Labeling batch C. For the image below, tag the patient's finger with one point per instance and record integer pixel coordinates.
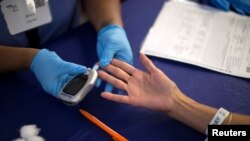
(124, 66)
(112, 80)
(117, 72)
(115, 97)
(148, 64)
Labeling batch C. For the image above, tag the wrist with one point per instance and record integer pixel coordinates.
(109, 23)
(31, 53)
(181, 103)
(110, 28)
(192, 113)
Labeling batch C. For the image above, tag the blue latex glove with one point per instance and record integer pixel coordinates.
(52, 72)
(112, 43)
(241, 6)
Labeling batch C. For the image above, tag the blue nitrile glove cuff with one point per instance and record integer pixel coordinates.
(52, 72)
(113, 43)
(221, 4)
(241, 6)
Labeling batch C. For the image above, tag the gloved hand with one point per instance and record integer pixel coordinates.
(241, 6)
(52, 72)
(112, 43)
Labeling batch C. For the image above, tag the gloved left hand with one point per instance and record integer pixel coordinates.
(52, 72)
(113, 43)
(241, 6)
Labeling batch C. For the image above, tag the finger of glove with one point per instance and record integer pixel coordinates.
(246, 6)
(221, 4)
(71, 68)
(107, 56)
(98, 83)
(62, 80)
(241, 6)
(126, 57)
(247, 11)
(240, 11)
(99, 49)
(121, 92)
(108, 88)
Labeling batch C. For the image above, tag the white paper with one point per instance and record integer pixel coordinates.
(202, 36)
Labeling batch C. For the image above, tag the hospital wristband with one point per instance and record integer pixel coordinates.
(230, 118)
(219, 117)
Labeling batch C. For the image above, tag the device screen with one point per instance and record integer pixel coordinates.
(75, 84)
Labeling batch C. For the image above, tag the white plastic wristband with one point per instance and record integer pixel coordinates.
(219, 117)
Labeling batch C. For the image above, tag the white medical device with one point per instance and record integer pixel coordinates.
(78, 87)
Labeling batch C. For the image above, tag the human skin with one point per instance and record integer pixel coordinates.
(153, 90)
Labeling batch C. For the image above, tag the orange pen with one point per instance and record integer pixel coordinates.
(115, 135)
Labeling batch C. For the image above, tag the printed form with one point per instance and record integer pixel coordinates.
(201, 35)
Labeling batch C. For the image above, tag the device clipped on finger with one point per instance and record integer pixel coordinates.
(78, 87)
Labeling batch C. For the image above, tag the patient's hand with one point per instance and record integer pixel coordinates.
(151, 89)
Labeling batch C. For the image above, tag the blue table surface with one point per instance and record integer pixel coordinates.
(22, 100)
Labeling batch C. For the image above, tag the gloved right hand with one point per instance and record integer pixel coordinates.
(241, 6)
(52, 72)
(112, 43)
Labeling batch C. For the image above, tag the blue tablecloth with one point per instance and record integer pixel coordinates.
(22, 100)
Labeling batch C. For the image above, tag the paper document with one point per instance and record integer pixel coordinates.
(201, 35)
